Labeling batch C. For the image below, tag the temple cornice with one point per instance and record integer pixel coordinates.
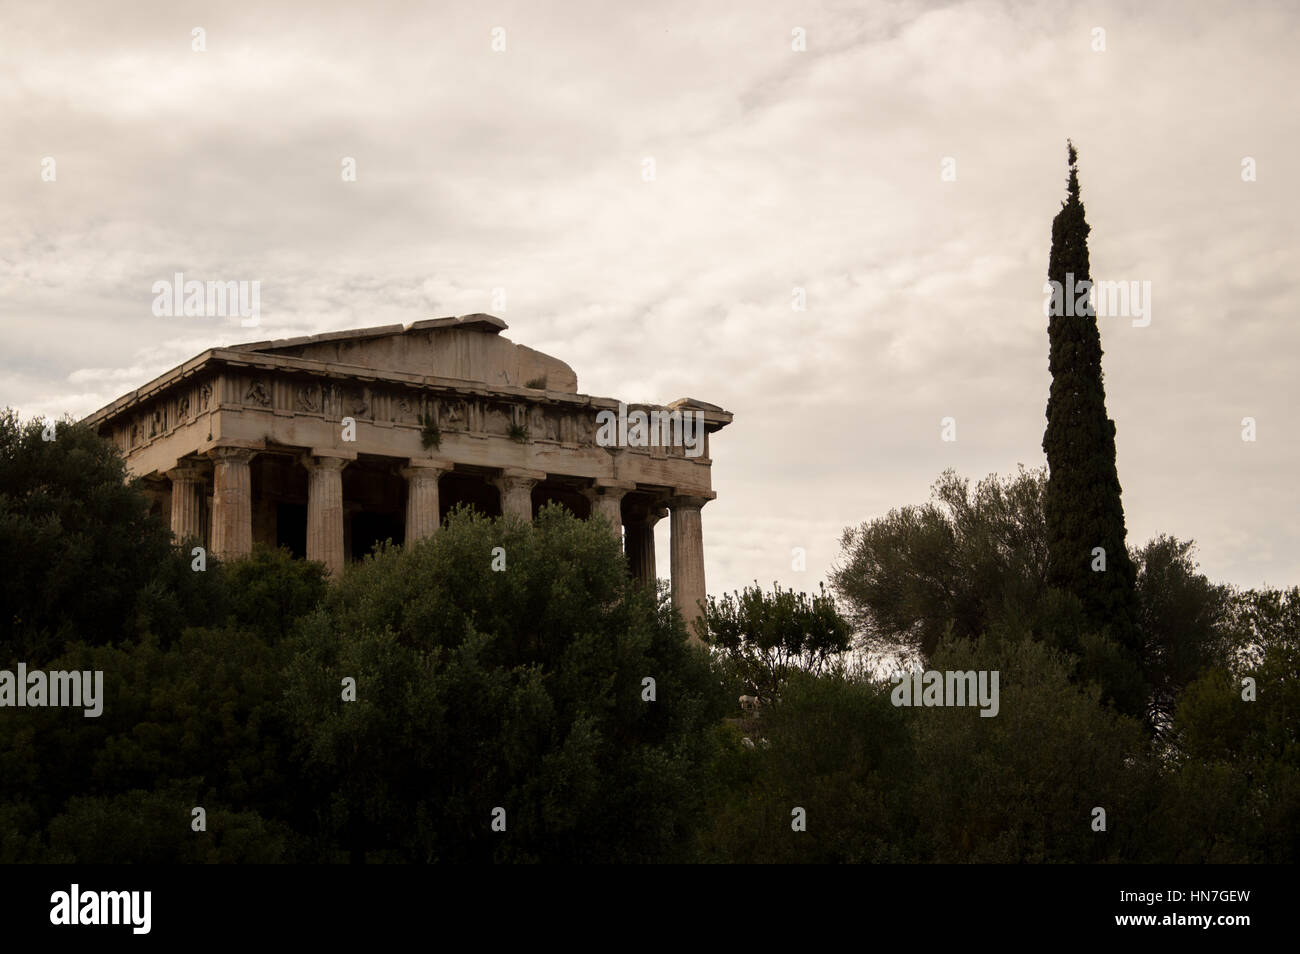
(215, 359)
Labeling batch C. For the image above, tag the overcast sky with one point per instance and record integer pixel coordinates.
(774, 168)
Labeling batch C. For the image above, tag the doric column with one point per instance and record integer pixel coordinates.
(422, 513)
(232, 502)
(187, 502)
(607, 501)
(688, 559)
(639, 544)
(325, 510)
(516, 486)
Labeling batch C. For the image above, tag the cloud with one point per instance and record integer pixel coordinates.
(775, 170)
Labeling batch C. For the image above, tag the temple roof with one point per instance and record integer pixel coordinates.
(468, 348)
(463, 352)
(488, 324)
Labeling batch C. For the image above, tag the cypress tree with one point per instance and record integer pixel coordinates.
(1082, 504)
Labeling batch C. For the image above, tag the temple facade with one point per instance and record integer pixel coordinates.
(329, 443)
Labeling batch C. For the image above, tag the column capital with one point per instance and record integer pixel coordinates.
(232, 453)
(690, 501)
(423, 468)
(520, 477)
(187, 472)
(644, 513)
(608, 490)
(314, 461)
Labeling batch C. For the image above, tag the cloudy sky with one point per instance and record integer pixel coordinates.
(774, 169)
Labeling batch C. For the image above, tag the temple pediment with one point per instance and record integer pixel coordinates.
(468, 348)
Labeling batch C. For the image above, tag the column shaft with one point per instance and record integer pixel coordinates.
(325, 512)
(606, 498)
(639, 545)
(422, 505)
(688, 560)
(609, 506)
(232, 502)
(187, 503)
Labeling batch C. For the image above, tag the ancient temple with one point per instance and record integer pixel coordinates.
(329, 443)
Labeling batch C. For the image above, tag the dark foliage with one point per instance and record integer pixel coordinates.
(1082, 505)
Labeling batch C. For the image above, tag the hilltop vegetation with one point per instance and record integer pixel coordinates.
(526, 690)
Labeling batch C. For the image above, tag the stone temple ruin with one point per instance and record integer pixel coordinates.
(328, 443)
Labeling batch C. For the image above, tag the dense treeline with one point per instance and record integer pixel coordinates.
(556, 690)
